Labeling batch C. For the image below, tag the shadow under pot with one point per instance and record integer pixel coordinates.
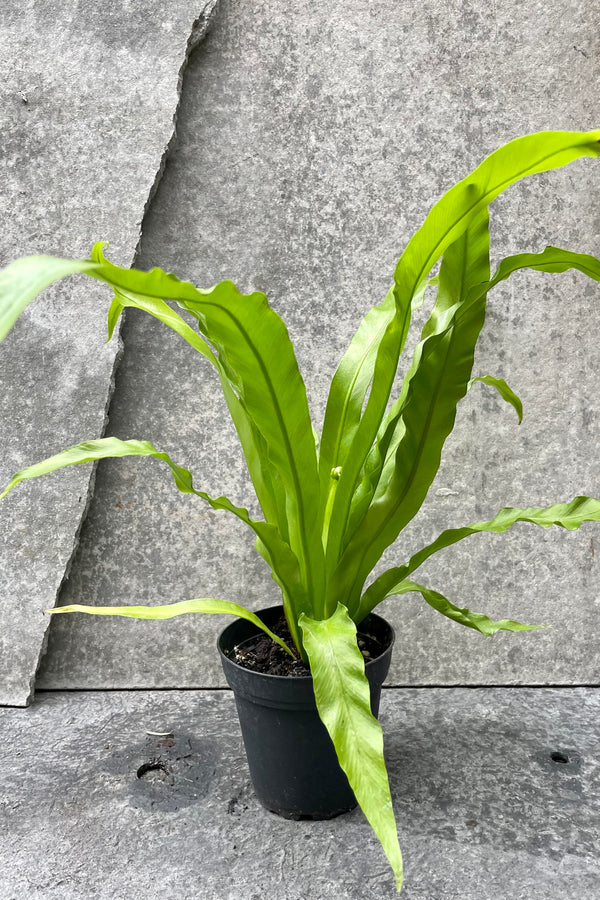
(292, 761)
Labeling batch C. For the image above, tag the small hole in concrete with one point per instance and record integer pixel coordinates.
(559, 757)
(154, 766)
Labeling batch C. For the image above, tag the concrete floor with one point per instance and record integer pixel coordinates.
(483, 809)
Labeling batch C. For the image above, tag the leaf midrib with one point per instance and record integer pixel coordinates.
(286, 438)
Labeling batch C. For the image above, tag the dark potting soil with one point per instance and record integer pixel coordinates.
(262, 654)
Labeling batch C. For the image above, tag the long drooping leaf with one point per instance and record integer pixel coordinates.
(396, 504)
(343, 701)
(258, 359)
(250, 438)
(463, 616)
(266, 477)
(552, 260)
(505, 391)
(169, 610)
(465, 264)
(452, 214)
(459, 304)
(261, 365)
(433, 386)
(446, 222)
(21, 281)
(277, 553)
(253, 444)
(566, 515)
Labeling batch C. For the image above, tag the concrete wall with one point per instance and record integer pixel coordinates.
(313, 139)
(87, 114)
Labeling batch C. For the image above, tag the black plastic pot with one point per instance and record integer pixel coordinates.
(292, 761)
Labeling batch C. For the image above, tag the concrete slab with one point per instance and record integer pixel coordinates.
(87, 114)
(312, 143)
(484, 811)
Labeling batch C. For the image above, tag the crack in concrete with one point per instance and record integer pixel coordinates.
(199, 29)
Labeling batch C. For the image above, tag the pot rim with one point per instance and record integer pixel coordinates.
(300, 679)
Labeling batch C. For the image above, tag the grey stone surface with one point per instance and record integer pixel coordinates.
(88, 99)
(484, 812)
(312, 143)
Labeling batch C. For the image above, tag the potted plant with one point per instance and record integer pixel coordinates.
(330, 510)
